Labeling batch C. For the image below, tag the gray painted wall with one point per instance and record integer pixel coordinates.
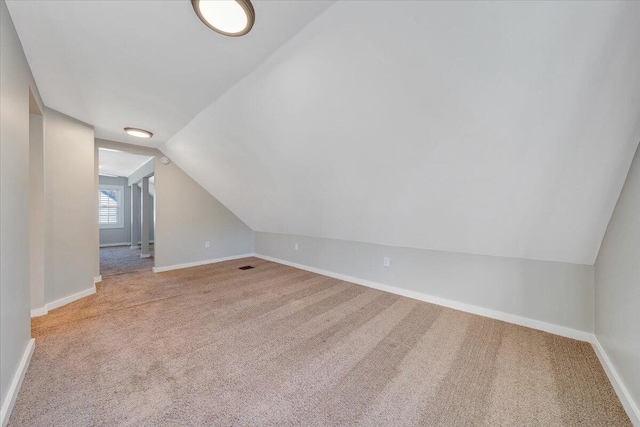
(137, 238)
(187, 216)
(15, 82)
(110, 236)
(36, 210)
(146, 170)
(71, 206)
(152, 213)
(136, 213)
(552, 292)
(617, 285)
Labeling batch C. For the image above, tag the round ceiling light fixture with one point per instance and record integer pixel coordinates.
(232, 18)
(138, 133)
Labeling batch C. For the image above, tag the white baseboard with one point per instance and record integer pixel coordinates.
(97, 279)
(109, 245)
(622, 392)
(14, 388)
(197, 263)
(71, 298)
(37, 312)
(469, 308)
(145, 255)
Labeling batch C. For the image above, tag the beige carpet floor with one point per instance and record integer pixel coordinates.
(277, 346)
(122, 259)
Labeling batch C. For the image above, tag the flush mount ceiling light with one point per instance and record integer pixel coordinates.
(232, 18)
(138, 133)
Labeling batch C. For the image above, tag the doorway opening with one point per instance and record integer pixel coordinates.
(126, 211)
(36, 209)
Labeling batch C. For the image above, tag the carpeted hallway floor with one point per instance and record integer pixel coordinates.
(122, 259)
(277, 346)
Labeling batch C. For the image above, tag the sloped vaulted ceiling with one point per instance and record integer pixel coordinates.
(143, 63)
(497, 128)
(492, 128)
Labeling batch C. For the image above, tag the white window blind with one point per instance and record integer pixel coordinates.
(110, 209)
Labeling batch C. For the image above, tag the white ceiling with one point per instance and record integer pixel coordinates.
(119, 163)
(502, 128)
(146, 64)
(496, 128)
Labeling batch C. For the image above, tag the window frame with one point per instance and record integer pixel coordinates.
(120, 201)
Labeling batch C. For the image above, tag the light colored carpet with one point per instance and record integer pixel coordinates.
(122, 259)
(277, 346)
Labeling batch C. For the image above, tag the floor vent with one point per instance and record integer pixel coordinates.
(246, 267)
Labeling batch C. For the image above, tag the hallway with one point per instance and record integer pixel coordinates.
(122, 259)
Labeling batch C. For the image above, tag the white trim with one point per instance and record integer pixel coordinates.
(37, 312)
(622, 392)
(66, 300)
(468, 308)
(108, 245)
(197, 263)
(14, 388)
(145, 255)
(97, 279)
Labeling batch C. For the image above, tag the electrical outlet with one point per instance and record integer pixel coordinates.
(207, 244)
(387, 261)
(296, 246)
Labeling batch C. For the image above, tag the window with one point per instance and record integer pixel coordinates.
(110, 206)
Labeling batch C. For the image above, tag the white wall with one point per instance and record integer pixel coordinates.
(71, 206)
(187, 216)
(494, 128)
(617, 286)
(36, 210)
(15, 323)
(551, 292)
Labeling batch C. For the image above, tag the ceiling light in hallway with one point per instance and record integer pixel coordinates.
(138, 133)
(228, 17)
